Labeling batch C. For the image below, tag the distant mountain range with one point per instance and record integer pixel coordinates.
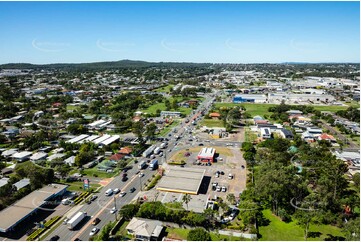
(103, 65)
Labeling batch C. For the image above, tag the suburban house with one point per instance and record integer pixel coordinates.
(327, 137)
(116, 157)
(145, 229)
(214, 115)
(125, 151)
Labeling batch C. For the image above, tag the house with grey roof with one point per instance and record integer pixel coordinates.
(145, 229)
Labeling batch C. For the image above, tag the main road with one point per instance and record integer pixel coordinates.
(101, 207)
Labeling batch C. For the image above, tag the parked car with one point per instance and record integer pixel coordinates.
(230, 176)
(224, 189)
(242, 166)
(218, 189)
(96, 221)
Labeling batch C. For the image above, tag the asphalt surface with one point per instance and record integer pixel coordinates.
(102, 206)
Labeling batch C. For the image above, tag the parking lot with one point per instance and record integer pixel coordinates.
(229, 161)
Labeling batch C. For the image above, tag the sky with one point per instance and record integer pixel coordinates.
(213, 32)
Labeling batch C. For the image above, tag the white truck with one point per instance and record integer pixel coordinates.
(157, 150)
(74, 221)
(148, 151)
(142, 165)
(163, 145)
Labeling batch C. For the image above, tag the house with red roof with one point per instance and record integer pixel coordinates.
(125, 151)
(116, 157)
(214, 115)
(327, 137)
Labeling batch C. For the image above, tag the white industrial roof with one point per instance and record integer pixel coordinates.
(21, 154)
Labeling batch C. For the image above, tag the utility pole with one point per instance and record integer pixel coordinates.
(115, 206)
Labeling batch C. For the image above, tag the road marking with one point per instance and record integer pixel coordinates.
(100, 211)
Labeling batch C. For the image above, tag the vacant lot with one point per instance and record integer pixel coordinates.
(212, 123)
(261, 109)
(279, 230)
(164, 89)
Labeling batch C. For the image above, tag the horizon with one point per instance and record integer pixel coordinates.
(43, 33)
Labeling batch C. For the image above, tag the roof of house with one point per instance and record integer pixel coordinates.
(4, 181)
(145, 227)
(116, 157)
(214, 115)
(325, 136)
(22, 183)
(125, 150)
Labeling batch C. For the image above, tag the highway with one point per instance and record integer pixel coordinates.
(103, 204)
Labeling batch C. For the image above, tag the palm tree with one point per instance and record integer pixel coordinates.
(185, 199)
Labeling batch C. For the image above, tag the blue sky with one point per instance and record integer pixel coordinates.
(231, 32)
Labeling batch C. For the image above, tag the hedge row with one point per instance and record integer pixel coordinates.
(39, 231)
(153, 182)
(79, 199)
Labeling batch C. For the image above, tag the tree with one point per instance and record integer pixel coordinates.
(137, 128)
(231, 198)
(351, 229)
(305, 218)
(77, 129)
(175, 104)
(186, 199)
(198, 234)
(167, 105)
(150, 130)
(128, 211)
(356, 180)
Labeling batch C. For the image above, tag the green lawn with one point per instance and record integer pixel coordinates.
(164, 89)
(78, 186)
(161, 106)
(181, 234)
(249, 136)
(168, 128)
(278, 230)
(212, 123)
(94, 172)
(261, 109)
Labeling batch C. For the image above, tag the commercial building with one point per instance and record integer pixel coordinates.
(206, 154)
(28, 205)
(250, 98)
(182, 180)
(170, 114)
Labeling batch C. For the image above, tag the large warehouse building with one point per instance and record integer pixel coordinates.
(182, 180)
(206, 154)
(25, 207)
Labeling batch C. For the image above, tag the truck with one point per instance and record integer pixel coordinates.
(156, 150)
(74, 221)
(153, 165)
(163, 145)
(142, 165)
(148, 151)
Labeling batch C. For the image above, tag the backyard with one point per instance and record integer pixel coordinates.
(279, 230)
(212, 123)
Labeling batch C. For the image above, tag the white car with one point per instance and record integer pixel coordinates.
(141, 174)
(122, 194)
(114, 210)
(94, 231)
(116, 190)
(218, 189)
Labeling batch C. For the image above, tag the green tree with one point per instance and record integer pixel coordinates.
(167, 105)
(351, 229)
(150, 130)
(356, 180)
(198, 234)
(128, 211)
(186, 199)
(231, 198)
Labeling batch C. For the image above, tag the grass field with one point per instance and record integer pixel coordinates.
(78, 186)
(181, 234)
(261, 109)
(164, 89)
(169, 128)
(278, 230)
(212, 123)
(249, 136)
(94, 172)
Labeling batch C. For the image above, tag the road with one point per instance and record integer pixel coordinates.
(103, 204)
(343, 138)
